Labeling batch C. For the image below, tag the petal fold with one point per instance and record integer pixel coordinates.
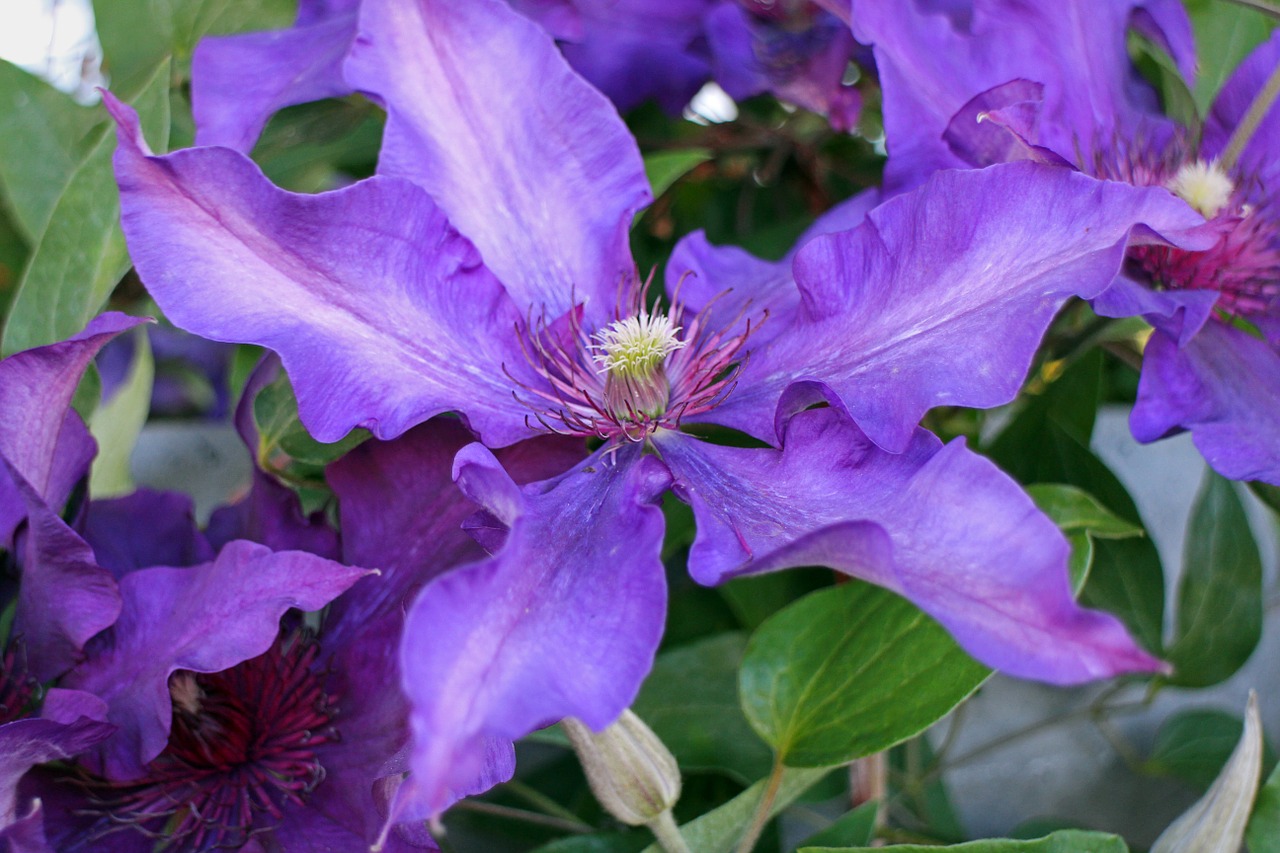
(941, 526)
(528, 160)
(563, 621)
(381, 312)
(205, 618)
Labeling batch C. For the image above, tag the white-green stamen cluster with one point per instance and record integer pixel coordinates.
(1204, 186)
(634, 348)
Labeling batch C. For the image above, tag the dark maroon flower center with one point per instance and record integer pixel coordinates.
(242, 747)
(1243, 267)
(17, 687)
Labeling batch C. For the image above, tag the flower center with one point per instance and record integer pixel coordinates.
(17, 687)
(1204, 186)
(643, 371)
(241, 747)
(631, 353)
(1243, 266)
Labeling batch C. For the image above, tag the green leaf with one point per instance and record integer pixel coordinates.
(719, 830)
(81, 255)
(690, 700)
(1067, 841)
(1219, 618)
(117, 423)
(664, 168)
(853, 828)
(42, 141)
(1263, 834)
(849, 671)
(135, 34)
(1267, 493)
(1074, 509)
(1194, 745)
(1081, 562)
(1225, 34)
(284, 443)
(1159, 68)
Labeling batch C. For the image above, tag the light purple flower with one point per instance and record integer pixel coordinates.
(1053, 82)
(385, 314)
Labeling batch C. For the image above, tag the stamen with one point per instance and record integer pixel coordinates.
(633, 348)
(1204, 186)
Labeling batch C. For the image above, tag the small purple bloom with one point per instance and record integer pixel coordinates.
(1211, 363)
(385, 314)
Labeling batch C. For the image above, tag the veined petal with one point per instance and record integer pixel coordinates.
(382, 314)
(44, 441)
(939, 525)
(530, 162)
(932, 63)
(727, 285)
(238, 82)
(204, 619)
(942, 295)
(1224, 386)
(553, 625)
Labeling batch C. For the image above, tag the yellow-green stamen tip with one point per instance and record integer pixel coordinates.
(636, 347)
(1204, 186)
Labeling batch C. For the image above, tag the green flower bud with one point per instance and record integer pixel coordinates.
(632, 774)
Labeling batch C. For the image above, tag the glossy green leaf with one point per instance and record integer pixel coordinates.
(1263, 834)
(664, 168)
(849, 671)
(1067, 841)
(117, 423)
(282, 439)
(81, 255)
(135, 34)
(690, 700)
(42, 141)
(1219, 618)
(1081, 561)
(1193, 745)
(1074, 509)
(1225, 34)
(854, 829)
(719, 830)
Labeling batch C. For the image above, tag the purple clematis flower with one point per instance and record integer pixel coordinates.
(384, 314)
(989, 91)
(632, 50)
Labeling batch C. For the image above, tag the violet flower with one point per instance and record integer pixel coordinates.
(632, 50)
(988, 90)
(384, 315)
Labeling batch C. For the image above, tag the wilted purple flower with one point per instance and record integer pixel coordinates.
(385, 315)
(1021, 80)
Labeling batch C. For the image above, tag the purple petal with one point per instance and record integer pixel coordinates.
(1261, 156)
(402, 514)
(238, 82)
(637, 50)
(553, 625)
(41, 438)
(381, 312)
(930, 65)
(528, 161)
(23, 745)
(1224, 386)
(726, 285)
(942, 295)
(941, 526)
(1181, 313)
(144, 529)
(64, 596)
(204, 619)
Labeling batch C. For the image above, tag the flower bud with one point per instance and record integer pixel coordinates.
(631, 772)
